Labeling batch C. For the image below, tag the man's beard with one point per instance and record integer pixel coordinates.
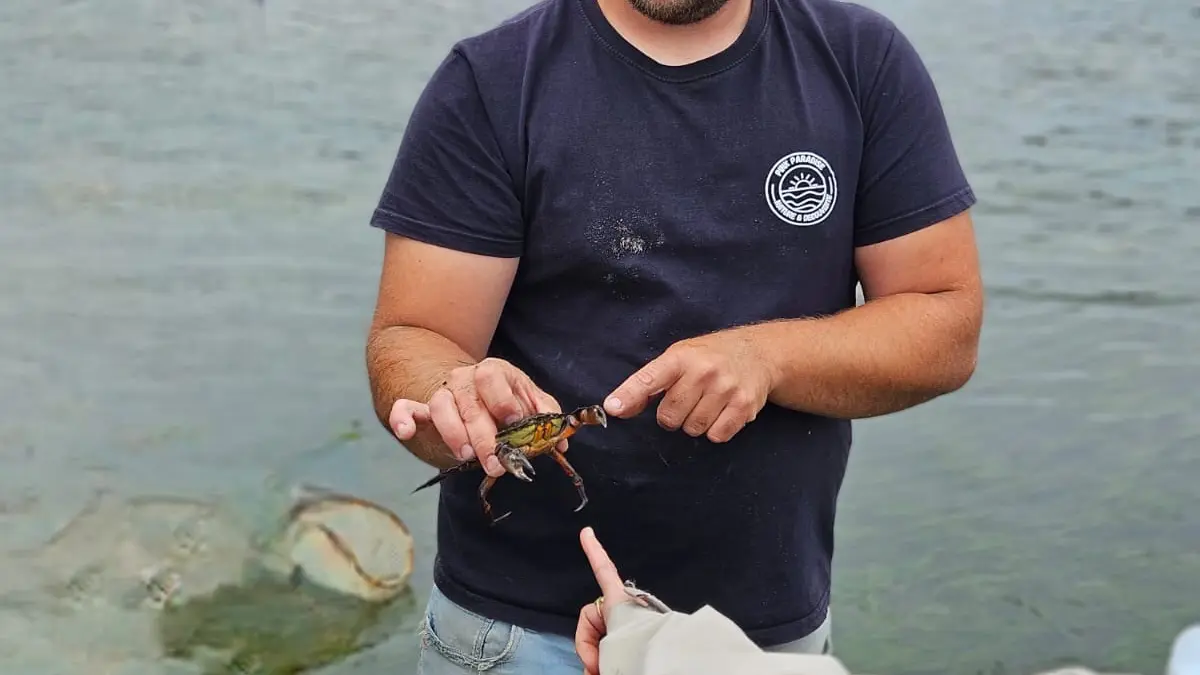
(677, 12)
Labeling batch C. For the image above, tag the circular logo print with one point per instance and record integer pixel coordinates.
(801, 189)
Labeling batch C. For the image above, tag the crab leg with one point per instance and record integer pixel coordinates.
(575, 478)
(484, 488)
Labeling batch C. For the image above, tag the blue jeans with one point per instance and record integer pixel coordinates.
(455, 641)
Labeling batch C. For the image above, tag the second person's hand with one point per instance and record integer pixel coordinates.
(472, 404)
(593, 617)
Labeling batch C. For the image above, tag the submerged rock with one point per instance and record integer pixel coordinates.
(345, 544)
(152, 581)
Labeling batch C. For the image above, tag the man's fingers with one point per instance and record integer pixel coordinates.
(679, 401)
(603, 568)
(406, 415)
(443, 412)
(481, 429)
(652, 379)
(543, 402)
(703, 415)
(495, 388)
(731, 420)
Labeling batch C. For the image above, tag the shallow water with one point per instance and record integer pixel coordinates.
(187, 274)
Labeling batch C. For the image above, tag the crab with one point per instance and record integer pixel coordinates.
(525, 439)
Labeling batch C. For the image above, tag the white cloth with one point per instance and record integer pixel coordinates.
(1185, 652)
(643, 642)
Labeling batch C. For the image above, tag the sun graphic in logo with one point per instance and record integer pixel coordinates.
(801, 189)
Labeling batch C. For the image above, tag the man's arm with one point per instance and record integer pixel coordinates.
(916, 337)
(455, 236)
(437, 311)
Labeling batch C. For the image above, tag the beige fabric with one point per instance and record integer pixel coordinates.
(641, 641)
(644, 642)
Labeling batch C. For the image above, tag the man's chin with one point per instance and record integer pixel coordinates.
(677, 12)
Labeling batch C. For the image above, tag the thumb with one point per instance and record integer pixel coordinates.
(603, 568)
(406, 416)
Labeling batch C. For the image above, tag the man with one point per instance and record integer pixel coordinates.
(664, 205)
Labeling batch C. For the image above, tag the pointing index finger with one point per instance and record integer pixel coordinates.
(652, 379)
(603, 568)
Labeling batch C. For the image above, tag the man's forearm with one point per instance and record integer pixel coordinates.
(412, 363)
(881, 357)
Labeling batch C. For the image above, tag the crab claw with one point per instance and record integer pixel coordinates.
(516, 463)
(592, 414)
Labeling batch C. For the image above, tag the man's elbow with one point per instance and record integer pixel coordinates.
(954, 362)
(962, 358)
(377, 350)
(383, 360)
(959, 369)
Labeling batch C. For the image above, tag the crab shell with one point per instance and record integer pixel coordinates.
(537, 432)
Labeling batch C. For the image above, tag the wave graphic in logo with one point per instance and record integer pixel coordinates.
(801, 189)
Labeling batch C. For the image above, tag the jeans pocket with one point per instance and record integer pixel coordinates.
(465, 638)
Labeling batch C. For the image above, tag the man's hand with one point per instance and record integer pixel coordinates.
(593, 623)
(472, 404)
(715, 384)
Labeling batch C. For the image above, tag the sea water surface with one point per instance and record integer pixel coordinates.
(186, 276)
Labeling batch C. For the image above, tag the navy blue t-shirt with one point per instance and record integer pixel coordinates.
(649, 204)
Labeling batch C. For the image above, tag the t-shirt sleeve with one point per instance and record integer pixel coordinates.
(449, 185)
(910, 175)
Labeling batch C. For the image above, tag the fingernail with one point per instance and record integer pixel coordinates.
(511, 419)
(466, 453)
(494, 466)
(587, 532)
(613, 404)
